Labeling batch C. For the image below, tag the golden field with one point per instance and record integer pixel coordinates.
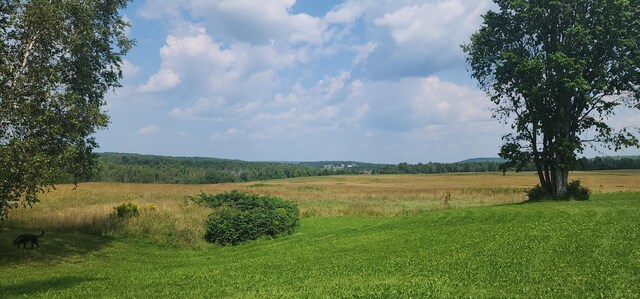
(87, 207)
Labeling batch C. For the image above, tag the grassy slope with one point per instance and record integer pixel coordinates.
(560, 249)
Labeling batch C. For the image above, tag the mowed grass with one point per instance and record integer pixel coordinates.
(537, 250)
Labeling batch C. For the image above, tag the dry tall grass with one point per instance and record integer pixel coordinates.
(88, 207)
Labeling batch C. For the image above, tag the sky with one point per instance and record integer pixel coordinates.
(380, 81)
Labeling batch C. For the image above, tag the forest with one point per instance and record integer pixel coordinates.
(494, 165)
(136, 168)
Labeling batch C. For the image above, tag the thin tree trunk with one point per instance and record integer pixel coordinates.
(548, 186)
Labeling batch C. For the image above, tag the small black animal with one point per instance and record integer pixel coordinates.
(24, 238)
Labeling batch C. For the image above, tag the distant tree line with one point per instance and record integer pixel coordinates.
(134, 168)
(583, 164)
(130, 168)
(432, 168)
(609, 163)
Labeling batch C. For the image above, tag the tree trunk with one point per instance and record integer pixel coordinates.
(561, 182)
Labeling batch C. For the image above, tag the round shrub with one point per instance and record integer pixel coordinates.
(536, 193)
(239, 217)
(577, 192)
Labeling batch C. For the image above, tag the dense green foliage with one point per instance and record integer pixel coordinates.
(432, 168)
(597, 163)
(574, 191)
(609, 163)
(132, 168)
(557, 70)
(57, 61)
(239, 217)
(536, 193)
(566, 249)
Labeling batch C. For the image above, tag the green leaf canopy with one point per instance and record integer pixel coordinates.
(58, 59)
(557, 70)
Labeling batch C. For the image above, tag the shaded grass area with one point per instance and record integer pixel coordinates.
(56, 247)
(546, 249)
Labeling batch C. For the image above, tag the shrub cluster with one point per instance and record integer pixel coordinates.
(574, 190)
(239, 217)
(126, 210)
(577, 192)
(537, 193)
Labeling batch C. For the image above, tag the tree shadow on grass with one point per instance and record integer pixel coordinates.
(54, 247)
(34, 287)
(548, 201)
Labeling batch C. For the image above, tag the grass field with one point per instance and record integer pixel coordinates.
(363, 236)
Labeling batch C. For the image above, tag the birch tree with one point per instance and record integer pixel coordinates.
(58, 59)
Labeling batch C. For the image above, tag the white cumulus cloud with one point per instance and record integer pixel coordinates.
(423, 22)
(259, 22)
(129, 69)
(164, 79)
(149, 130)
(347, 12)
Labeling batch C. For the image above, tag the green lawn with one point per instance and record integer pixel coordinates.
(548, 249)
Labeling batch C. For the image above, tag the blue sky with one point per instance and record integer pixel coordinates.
(376, 81)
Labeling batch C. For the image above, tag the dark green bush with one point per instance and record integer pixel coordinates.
(574, 190)
(240, 216)
(577, 192)
(536, 193)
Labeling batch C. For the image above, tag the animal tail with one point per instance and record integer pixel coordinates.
(41, 234)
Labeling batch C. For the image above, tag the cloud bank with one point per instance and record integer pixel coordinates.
(380, 81)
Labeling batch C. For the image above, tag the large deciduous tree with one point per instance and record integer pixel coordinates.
(58, 59)
(557, 71)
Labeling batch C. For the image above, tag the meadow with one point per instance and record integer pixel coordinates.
(361, 236)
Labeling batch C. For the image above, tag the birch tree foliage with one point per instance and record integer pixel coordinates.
(557, 71)
(58, 60)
